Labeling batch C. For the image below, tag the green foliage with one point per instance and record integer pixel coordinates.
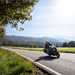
(69, 44)
(65, 44)
(1, 34)
(12, 64)
(14, 11)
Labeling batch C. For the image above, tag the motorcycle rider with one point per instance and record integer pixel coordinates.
(51, 50)
(48, 46)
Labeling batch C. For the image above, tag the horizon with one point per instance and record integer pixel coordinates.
(49, 19)
(60, 38)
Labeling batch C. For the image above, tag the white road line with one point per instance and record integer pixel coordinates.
(49, 70)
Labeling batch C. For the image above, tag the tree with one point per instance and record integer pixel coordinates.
(14, 11)
(71, 44)
(65, 44)
(1, 34)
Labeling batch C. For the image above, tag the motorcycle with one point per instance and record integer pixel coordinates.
(52, 51)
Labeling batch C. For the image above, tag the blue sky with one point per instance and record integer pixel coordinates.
(50, 18)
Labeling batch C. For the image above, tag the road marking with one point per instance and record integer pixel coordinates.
(49, 70)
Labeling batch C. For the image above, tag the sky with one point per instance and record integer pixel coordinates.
(50, 18)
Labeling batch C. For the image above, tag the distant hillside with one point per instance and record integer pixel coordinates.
(19, 40)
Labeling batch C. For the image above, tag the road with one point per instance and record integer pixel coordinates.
(65, 65)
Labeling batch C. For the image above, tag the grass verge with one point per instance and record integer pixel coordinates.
(13, 64)
(61, 49)
(66, 50)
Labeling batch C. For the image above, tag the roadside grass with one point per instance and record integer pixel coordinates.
(66, 49)
(13, 64)
(61, 49)
(34, 49)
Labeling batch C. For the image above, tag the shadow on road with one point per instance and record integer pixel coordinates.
(45, 58)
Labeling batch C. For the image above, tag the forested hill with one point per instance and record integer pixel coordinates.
(19, 40)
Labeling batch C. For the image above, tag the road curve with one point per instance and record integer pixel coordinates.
(65, 65)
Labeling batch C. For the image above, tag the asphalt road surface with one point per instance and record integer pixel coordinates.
(64, 65)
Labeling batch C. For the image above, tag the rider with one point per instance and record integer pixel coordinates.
(47, 46)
